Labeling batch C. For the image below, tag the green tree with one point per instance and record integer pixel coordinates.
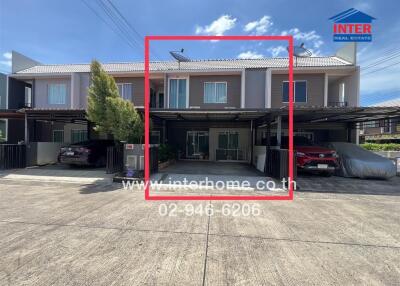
(108, 111)
(127, 125)
(102, 87)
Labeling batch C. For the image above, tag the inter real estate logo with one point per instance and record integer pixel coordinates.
(352, 26)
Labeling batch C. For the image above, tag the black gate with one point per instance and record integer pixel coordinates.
(115, 159)
(277, 164)
(12, 156)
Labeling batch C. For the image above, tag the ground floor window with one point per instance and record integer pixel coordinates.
(3, 130)
(228, 146)
(58, 136)
(228, 140)
(78, 136)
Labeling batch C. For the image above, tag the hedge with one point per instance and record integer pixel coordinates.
(381, 147)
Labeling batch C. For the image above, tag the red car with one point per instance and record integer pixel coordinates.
(312, 158)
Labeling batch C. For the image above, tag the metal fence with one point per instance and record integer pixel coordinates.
(115, 159)
(277, 164)
(12, 156)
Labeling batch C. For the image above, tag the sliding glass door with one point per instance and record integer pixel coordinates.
(197, 144)
(177, 93)
(228, 146)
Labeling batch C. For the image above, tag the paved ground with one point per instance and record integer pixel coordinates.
(71, 234)
(212, 168)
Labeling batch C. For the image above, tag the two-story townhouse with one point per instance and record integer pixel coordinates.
(217, 110)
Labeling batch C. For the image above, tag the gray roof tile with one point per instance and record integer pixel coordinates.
(192, 65)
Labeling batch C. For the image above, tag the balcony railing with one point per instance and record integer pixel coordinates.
(337, 103)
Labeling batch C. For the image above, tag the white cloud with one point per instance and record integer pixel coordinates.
(363, 6)
(217, 27)
(259, 27)
(278, 51)
(6, 61)
(250, 55)
(7, 55)
(311, 38)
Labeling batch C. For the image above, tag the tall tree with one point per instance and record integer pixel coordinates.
(127, 125)
(102, 87)
(108, 111)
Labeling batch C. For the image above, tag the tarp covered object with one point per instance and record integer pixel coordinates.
(355, 161)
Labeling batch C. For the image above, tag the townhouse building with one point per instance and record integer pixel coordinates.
(216, 110)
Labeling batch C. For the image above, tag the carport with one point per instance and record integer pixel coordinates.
(258, 126)
(46, 130)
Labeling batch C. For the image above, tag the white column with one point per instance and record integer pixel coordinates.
(326, 90)
(243, 90)
(268, 88)
(166, 95)
(72, 90)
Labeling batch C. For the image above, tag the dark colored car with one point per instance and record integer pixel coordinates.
(86, 153)
(309, 157)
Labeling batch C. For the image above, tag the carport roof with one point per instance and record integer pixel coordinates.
(310, 114)
(10, 114)
(302, 114)
(64, 115)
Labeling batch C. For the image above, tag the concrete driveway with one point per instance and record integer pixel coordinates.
(58, 173)
(71, 234)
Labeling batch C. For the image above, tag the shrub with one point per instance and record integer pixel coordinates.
(381, 147)
(166, 152)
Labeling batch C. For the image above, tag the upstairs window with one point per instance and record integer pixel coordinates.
(215, 92)
(57, 93)
(125, 90)
(299, 91)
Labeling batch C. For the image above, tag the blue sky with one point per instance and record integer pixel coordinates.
(67, 31)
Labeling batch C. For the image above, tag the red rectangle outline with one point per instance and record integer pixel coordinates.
(147, 40)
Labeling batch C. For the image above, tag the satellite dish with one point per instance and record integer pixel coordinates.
(178, 55)
(300, 52)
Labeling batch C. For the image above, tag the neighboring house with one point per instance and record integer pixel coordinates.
(11, 124)
(214, 110)
(385, 130)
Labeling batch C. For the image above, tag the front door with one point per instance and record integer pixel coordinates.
(197, 145)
